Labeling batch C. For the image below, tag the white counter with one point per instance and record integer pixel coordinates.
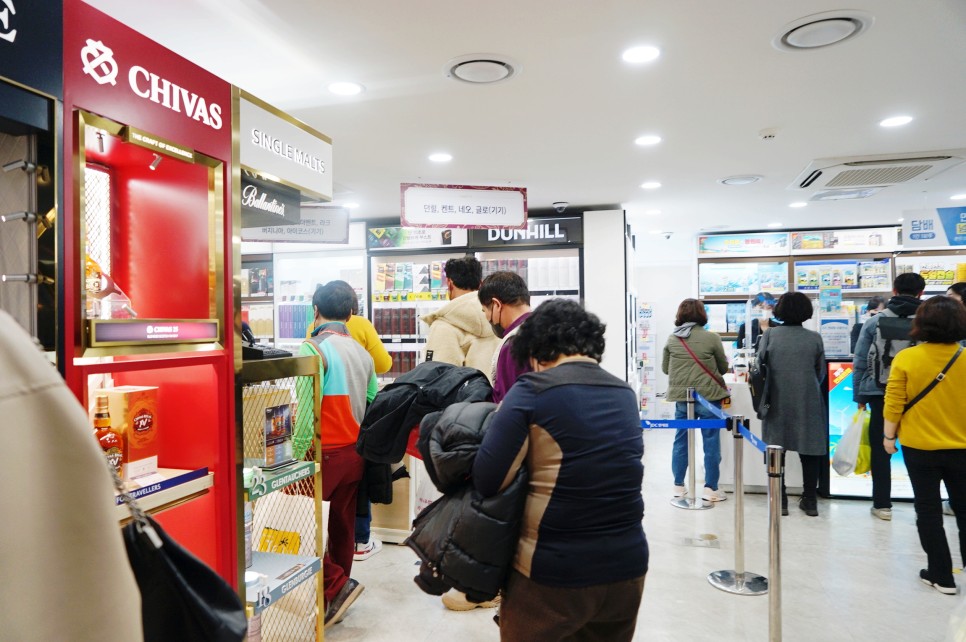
(754, 471)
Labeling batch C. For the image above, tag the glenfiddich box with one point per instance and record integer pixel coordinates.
(134, 412)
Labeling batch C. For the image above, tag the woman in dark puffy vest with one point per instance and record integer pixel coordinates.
(581, 557)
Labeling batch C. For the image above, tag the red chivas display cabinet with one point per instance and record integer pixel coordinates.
(147, 287)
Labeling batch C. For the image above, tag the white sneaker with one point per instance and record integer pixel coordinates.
(713, 495)
(367, 550)
(456, 601)
(680, 491)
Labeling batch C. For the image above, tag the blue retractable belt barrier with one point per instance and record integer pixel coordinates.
(715, 410)
(752, 438)
(685, 424)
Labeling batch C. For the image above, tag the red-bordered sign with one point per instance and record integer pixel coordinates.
(463, 206)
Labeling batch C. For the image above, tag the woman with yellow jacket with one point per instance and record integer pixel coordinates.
(923, 410)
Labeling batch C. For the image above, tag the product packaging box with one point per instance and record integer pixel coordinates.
(401, 269)
(394, 319)
(436, 275)
(256, 400)
(134, 412)
(390, 278)
(278, 436)
(380, 279)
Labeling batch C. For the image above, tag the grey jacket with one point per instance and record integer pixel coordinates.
(684, 372)
(797, 419)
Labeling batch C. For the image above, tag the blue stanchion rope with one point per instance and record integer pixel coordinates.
(685, 424)
(752, 438)
(715, 410)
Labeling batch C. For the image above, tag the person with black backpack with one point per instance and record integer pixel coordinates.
(881, 338)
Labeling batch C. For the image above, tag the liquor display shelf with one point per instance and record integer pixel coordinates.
(283, 573)
(264, 482)
(168, 488)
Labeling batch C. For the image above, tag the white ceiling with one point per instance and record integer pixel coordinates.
(564, 127)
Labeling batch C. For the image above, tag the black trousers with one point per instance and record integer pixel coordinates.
(927, 468)
(881, 464)
(811, 469)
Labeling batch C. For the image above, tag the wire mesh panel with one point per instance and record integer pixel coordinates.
(97, 215)
(279, 429)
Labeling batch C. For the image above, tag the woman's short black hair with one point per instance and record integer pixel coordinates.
(559, 327)
(335, 301)
(793, 308)
(691, 311)
(959, 289)
(940, 319)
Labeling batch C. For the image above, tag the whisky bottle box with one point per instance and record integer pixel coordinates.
(134, 412)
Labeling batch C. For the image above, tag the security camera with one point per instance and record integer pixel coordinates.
(667, 236)
(560, 206)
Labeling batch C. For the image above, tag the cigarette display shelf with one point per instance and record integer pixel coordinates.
(168, 488)
(284, 573)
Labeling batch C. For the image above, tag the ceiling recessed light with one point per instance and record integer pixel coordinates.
(350, 206)
(650, 139)
(958, 197)
(798, 204)
(747, 179)
(441, 157)
(655, 232)
(641, 54)
(775, 224)
(652, 212)
(345, 88)
(896, 121)
(901, 220)
(650, 185)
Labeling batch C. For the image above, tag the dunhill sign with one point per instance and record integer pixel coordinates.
(539, 231)
(264, 203)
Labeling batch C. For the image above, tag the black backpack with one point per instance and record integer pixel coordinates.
(891, 336)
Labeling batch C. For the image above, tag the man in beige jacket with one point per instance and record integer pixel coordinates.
(65, 572)
(459, 332)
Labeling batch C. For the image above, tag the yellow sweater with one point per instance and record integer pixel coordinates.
(937, 422)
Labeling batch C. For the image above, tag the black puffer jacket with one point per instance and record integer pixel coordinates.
(466, 541)
(400, 406)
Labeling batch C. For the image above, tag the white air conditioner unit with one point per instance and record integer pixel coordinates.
(856, 176)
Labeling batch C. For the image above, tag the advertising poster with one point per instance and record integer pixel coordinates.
(835, 336)
(939, 272)
(942, 227)
(725, 245)
(402, 238)
(743, 279)
(872, 239)
(841, 412)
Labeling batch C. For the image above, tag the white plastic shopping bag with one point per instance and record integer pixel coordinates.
(847, 450)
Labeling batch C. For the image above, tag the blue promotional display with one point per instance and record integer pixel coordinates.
(842, 409)
(944, 226)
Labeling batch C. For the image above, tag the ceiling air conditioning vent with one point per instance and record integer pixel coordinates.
(875, 171)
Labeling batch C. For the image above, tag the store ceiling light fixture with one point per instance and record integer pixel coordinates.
(441, 157)
(648, 140)
(822, 30)
(745, 179)
(650, 185)
(481, 69)
(641, 54)
(344, 88)
(351, 206)
(154, 164)
(798, 204)
(774, 225)
(958, 197)
(652, 212)
(895, 121)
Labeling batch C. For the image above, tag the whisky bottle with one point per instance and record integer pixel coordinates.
(110, 440)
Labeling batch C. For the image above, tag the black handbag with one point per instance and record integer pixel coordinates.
(181, 597)
(758, 381)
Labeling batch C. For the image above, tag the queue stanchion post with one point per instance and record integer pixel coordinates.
(691, 501)
(739, 581)
(775, 472)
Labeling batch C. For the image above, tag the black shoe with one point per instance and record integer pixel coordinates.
(335, 611)
(946, 589)
(809, 505)
(785, 510)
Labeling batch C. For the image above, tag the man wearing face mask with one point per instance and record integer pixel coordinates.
(506, 304)
(459, 332)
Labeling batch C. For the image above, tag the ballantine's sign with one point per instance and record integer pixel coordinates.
(6, 31)
(251, 198)
(266, 203)
(99, 64)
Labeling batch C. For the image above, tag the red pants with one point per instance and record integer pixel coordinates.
(341, 474)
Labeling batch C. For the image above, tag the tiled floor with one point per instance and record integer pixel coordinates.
(846, 576)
